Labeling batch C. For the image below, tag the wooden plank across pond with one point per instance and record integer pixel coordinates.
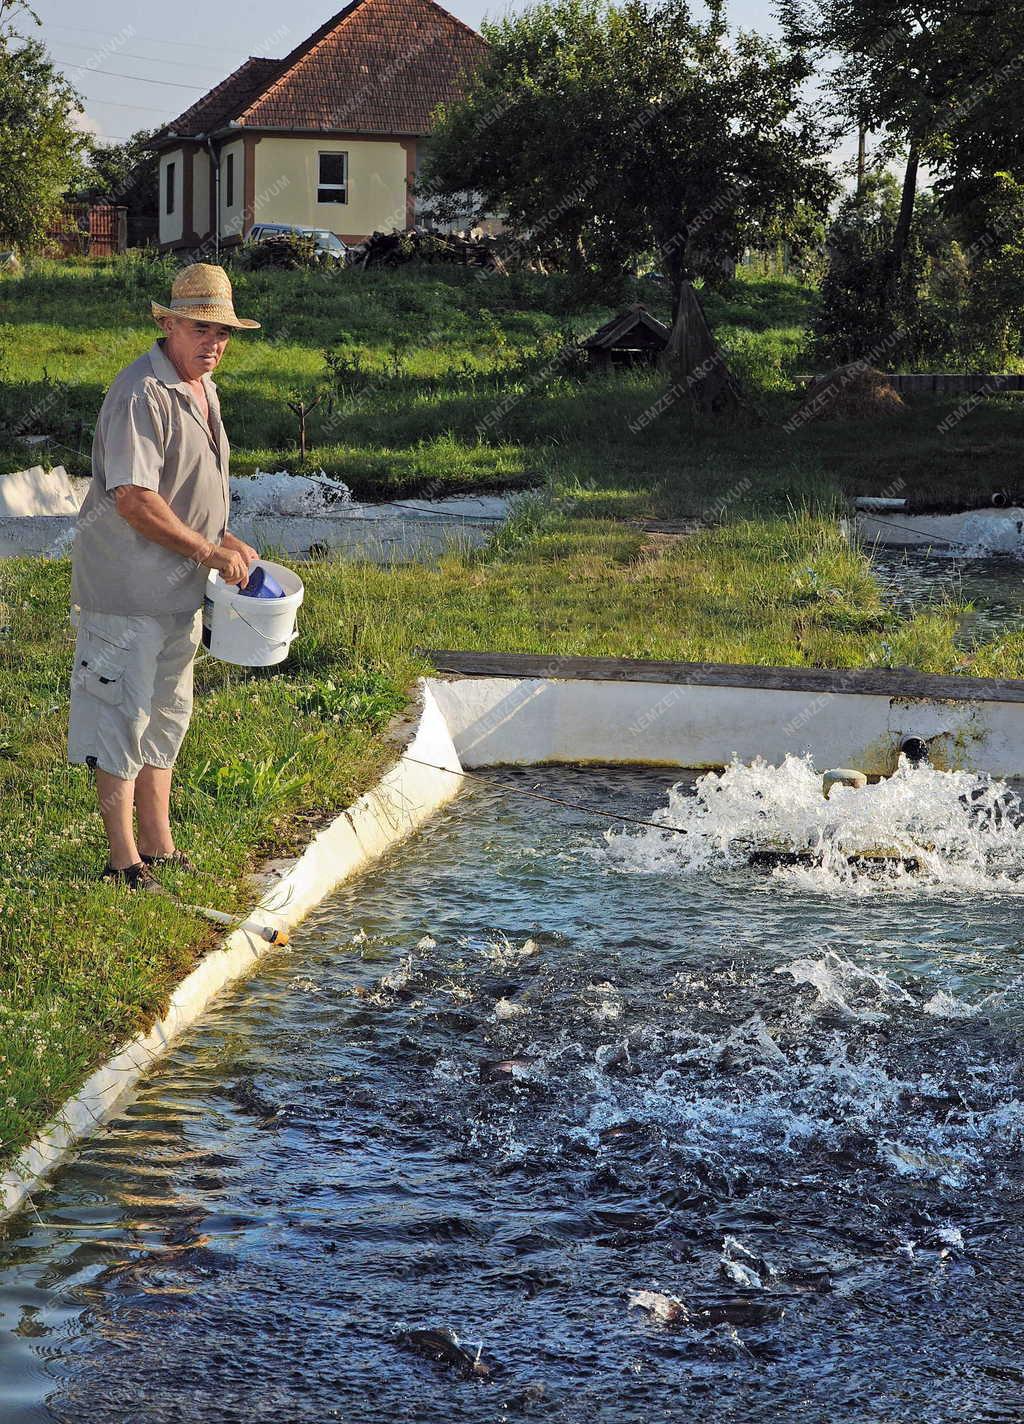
(901, 683)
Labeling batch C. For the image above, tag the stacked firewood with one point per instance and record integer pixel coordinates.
(496, 254)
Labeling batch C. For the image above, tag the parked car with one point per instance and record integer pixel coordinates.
(329, 248)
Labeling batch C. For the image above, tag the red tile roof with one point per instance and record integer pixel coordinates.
(229, 99)
(378, 66)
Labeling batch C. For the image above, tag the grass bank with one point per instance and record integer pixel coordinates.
(270, 755)
(446, 380)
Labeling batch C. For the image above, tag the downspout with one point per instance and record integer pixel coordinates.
(215, 161)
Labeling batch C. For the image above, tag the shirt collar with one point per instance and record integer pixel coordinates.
(165, 370)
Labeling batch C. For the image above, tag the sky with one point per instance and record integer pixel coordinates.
(139, 64)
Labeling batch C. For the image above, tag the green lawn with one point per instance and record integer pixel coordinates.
(270, 754)
(448, 380)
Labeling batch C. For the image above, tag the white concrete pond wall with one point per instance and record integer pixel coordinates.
(971, 533)
(528, 710)
(285, 512)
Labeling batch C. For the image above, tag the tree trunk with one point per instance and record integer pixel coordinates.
(862, 135)
(901, 236)
(692, 357)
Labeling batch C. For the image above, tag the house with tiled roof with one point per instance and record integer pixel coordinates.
(329, 137)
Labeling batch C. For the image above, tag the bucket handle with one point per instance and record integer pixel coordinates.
(274, 642)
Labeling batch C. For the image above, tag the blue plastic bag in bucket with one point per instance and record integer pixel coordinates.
(254, 626)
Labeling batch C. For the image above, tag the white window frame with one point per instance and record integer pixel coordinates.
(341, 187)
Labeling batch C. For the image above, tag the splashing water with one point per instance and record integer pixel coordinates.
(677, 1147)
(984, 534)
(283, 493)
(920, 830)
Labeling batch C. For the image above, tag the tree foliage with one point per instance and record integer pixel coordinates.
(126, 173)
(40, 149)
(939, 82)
(609, 130)
(960, 301)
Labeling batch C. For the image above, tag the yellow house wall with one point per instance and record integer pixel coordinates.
(232, 218)
(171, 223)
(376, 184)
(201, 193)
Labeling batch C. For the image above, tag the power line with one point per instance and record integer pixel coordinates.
(143, 79)
(146, 59)
(149, 39)
(142, 108)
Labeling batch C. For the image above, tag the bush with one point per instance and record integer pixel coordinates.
(955, 306)
(290, 251)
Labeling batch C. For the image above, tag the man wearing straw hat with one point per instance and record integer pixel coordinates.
(152, 525)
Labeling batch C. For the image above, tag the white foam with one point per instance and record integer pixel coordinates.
(959, 828)
(942, 1005)
(283, 493)
(984, 534)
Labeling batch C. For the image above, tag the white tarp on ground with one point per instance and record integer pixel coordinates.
(37, 491)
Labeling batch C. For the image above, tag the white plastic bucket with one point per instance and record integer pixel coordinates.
(252, 632)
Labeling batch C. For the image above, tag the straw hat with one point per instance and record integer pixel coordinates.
(202, 292)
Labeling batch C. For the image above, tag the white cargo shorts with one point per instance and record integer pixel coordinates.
(131, 690)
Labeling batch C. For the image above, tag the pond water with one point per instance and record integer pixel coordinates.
(539, 1122)
(912, 579)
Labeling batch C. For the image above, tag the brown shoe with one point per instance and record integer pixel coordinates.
(177, 860)
(134, 877)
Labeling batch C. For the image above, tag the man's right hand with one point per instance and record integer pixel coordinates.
(230, 564)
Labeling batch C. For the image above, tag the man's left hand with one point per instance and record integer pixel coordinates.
(248, 553)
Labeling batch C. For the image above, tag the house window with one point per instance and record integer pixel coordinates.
(229, 180)
(332, 180)
(169, 204)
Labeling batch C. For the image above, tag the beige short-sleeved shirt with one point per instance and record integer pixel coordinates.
(150, 433)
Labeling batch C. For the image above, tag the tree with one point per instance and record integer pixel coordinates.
(979, 69)
(126, 173)
(611, 129)
(856, 319)
(939, 79)
(40, 149)
(885, 58)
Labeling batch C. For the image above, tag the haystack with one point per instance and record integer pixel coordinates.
(854, 392)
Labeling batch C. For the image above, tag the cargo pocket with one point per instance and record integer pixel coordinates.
(100, 672)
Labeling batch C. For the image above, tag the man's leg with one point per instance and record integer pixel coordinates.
(153, 804)
(116, 798)
(111, 683)
(170, 712)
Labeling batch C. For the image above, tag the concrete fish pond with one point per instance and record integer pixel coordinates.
(968, 534)
(304, 516)
(539, 1121)
(564, 1109)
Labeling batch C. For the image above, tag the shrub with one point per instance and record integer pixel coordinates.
(291, 251)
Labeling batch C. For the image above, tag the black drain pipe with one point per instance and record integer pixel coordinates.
(215, 161)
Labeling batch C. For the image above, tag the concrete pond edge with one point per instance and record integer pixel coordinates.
(417, 785)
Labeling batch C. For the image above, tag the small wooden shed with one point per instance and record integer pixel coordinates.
(633, 338)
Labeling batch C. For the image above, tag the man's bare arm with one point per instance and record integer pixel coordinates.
(150, 515)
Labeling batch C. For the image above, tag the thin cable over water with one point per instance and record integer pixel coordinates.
(601, 811)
